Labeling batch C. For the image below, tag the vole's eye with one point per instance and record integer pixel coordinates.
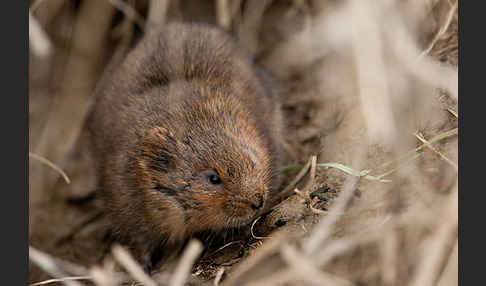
(212, 176)
(214, 179)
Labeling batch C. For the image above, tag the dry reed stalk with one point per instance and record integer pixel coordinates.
(49, 265)
(389, 254)
(219, 276)
(51, 165)
(38, 39)
(323, 229)
(431, 262)
(449, 276)
(129, 12)
(126, 260)
(442, 29)
(423, 140)
(157, 12)
(186, 262)
(66, 119)
(289, 189)
(223, 14)
(101, 277)
(249, 28)
(307, 270)
(271, 247)
(407, 52)
(56, 280)
(45, 11)
(373, 83)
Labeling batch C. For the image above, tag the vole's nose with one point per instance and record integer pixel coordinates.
(257, 202)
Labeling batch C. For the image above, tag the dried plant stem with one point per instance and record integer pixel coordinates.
(323, 229)
(41, 45)
(306, 269)
(425, 68)
(219, 276)
(312, 177)
(442, 29)
(291, 186)
(188, 258)
(129, 12)
(251, 229)
(430, 264)
(423, 140)
(48, 264)
(223, 14)
(101, 277)
(45, 11)
(67, 116)
(251, 23)
(51, 165)
(450, 273)
(157, 12)
(389, 250)
(125, 259)
(367, 44)
(50, 281)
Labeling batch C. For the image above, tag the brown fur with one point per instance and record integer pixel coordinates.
(186, 100)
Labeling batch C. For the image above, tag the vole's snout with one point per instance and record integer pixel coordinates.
(257, 202)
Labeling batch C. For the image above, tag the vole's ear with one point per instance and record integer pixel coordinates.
(156, 149)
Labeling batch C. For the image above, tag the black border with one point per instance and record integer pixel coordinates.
(15, 141)
(471, 89)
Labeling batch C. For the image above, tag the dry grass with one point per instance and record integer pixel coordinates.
(367, 82)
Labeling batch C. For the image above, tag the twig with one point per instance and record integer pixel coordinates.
(312, 176)
(453, 112)
(442, 30)
(219, 276)
(223, 14)
(449, 275)
(424, 68)
(102, 277)
(41, 45)
(389, 253)
(129, 12)
(423, 140)
(47, 263)
(317, 211)
(290, 187)
(35, 5)
(306, 268)
(410, 153)
(46, 11)
(66, 119)
(374, 90)
(188, 258)
(323, 229)
(51, 165)
(268, 249)
(126, 260)
(49, 281)
(157, 12)
(251, 229)
(224, 246)
(430, 265)
(251, 23)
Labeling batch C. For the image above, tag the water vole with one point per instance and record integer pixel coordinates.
(186, 133)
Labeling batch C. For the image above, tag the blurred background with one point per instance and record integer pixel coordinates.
(370, 92)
